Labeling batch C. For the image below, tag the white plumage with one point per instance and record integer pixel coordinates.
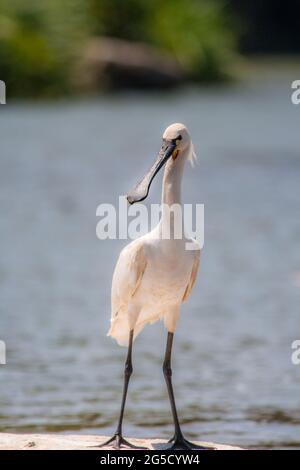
(153, 275)
(156, 273)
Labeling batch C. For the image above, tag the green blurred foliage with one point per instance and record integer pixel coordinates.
(199, 33)
(39, 39)
(125, 19)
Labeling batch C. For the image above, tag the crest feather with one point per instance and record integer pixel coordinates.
(192, 158)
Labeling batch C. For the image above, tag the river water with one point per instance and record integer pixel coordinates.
(233, 375)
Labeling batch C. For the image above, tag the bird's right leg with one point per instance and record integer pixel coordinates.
(117, 440)
(178, 440)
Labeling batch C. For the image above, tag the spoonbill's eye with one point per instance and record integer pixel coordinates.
(178, 139)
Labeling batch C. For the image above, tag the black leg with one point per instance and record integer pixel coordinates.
(118, 440)
(127, 374)
(178, 441)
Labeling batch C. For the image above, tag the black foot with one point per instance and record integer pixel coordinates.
(180, 443)
(117, 442)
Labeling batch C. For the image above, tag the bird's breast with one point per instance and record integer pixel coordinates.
(166, 276)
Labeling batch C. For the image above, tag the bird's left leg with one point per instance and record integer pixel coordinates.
(179, 442)
(117, 440)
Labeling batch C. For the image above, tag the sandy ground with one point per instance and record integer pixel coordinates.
(80, 442)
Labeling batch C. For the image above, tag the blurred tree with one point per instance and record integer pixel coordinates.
(198, 33)
(124, 19)
(37, 40)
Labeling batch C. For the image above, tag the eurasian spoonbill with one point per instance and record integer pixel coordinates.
(155, 274)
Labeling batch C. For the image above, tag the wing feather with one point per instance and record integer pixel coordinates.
(127, 276)
(193, 276)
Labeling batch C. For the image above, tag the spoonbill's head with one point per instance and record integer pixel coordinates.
(176, 145)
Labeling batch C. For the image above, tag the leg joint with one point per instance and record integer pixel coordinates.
(128, 369)
(167, 369)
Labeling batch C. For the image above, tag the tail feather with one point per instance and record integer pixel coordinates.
(119, 330)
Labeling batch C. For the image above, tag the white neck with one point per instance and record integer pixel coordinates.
(171, 190)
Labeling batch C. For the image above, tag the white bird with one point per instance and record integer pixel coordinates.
(155, 273)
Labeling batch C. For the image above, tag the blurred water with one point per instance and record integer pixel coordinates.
(234, 379)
